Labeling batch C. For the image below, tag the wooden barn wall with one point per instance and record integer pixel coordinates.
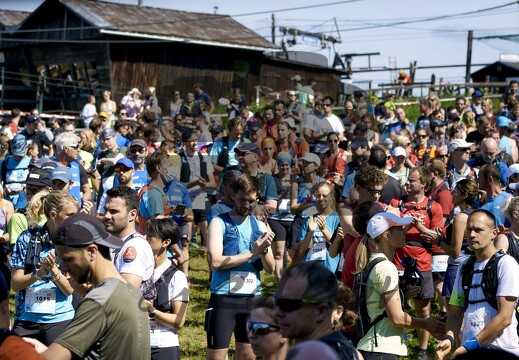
(277, 76)
(175, 66)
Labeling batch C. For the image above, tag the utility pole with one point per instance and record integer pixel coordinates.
(469, 60)
(273, 29)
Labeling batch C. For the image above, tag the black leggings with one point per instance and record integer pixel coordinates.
(377, 356)
(170, 353)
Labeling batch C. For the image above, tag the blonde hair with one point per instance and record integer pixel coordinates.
(35, 207)
(90, 140)
(56, 200)
(511, 205)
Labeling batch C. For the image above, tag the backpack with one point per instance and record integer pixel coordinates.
(224, 155)
(428, 207)
(161, 302)
(362, 322)
(488, 282)
(185, 170)
(513, 245)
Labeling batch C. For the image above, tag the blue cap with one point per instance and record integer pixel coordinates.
(18, 145)
(502, 121)
(477, 93)
(126, 162)
(61, 173)
(32, 119)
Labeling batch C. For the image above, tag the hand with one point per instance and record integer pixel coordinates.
(321, 222)
(81, 289)
(86, 208)
(435, 327)
(459, 351)
(393, 210)
(340, 233)
(263, 242)
(38, 346)
(443, 349)
(429, 235)
(312, 225)
(149, 305)
(201, 182)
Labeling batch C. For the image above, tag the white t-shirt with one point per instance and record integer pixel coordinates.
(163, 336)
(135, 257)
(102, 201)
(198, 194)
(478, 315)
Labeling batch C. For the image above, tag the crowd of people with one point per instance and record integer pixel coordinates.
(359, 216)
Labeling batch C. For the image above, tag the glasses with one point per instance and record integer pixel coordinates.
(291, 94)
(408, 144)
(442, 156)
(259, 328)
(372, 191)
(123, 113)
(388, 157)
(324, 104)
(75, 147)
(122, 169)
(422, 136)
(321, 197)
(333, 141)
(137, 150)
(291, 305)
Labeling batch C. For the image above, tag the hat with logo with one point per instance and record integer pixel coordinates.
(82, 230)
(125, 162)
(502, 121)
(382, 222)
(312, 158)
(243, 148)
(18, 145)
(61, 173)
(38, 177)
(108, 133)
(32, 119)
(459, 144)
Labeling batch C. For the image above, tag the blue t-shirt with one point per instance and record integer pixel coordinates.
(218, 209)
(50, 305)
(177, 193)
(139, 179)
(152, 203)
(332, 223)
(75, 190)
(122, 141)
(495, 206)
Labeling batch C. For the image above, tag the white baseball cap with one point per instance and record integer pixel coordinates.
(385, 221)
(512, 169)
(513, 186)
(399, 151)
(459, 143)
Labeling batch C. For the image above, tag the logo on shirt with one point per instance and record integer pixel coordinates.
(130, 254)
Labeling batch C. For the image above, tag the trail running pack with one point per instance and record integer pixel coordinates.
(363, 322)
(223, 157)
(428, 208)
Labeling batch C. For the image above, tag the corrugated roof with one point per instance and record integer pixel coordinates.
(125, 20)
(12, 18)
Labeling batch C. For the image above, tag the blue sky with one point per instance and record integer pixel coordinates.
(369, 26)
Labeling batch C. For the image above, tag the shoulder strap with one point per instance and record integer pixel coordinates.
(363, 305)
(467, 272)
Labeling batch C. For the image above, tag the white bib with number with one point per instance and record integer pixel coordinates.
(439, 263)
(317, 252)
(243, 283)
(158, 334)
(341, 263)
(41, 301)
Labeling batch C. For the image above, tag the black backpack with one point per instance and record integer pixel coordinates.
(513, 245)
(488, 282)
(224, 154)
(362, 322)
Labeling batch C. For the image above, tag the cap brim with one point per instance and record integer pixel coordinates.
(62, 178)
(111, 242)
(513, 186)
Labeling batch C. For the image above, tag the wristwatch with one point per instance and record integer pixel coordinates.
(152, 313)
(35, 274)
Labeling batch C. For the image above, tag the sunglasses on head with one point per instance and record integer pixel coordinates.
(259, 328)
(290, 305)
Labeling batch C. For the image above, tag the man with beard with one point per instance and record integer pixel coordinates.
(124, 171)
(112, 320)
(238, 248)
(137, 152)
(135, 259)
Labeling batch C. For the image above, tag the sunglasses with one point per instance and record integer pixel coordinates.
(333, 141)
(442, 156)
(123, 113)
(290, 305)
(372, 191)
(76, 147)
(388, 157)
(422, 136)
(122, 169)
(259, 328)
(408, 144)
(137, 150)
(327, 105)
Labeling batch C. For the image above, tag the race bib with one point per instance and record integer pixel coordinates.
(439, 263)
(243, 283)
(157, 333)
(41, 301)
(317, 252)
(284, 206)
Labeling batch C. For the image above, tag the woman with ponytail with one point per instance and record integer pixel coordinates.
(385, 234)
(509, 239)
(467, 196)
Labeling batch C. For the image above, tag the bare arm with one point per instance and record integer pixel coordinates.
(501, 242)
(21, 281)
(133, 280)
(458, 232)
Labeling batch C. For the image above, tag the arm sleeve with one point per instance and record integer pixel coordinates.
(89, 315)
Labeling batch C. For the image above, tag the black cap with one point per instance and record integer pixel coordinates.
(38, 177)
(81, 230)
(359, 141)
(216, 129)
(247, 147)
(32, 119)
(454, 117)
(254, 125)
(437, 123)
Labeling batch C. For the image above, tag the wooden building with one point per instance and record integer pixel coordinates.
(68, 49)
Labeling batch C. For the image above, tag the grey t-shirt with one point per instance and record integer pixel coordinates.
(111, 322)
